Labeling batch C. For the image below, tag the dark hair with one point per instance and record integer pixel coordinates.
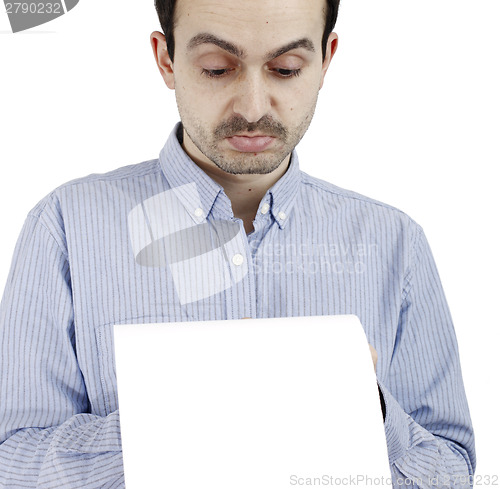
(166, 15)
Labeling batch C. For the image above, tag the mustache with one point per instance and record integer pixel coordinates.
(236, 125)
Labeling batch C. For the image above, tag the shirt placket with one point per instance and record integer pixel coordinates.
(239, 298)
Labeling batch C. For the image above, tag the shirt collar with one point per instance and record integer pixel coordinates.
(285, 191)
(180, 170)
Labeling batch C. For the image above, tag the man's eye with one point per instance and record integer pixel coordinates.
(284, 73)
(216, 73)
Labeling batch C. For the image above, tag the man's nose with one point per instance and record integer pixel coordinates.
(252, 100)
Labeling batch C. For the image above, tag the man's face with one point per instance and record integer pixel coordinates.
(246, 77)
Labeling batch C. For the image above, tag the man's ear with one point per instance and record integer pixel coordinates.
(331, 47)
(165, 64)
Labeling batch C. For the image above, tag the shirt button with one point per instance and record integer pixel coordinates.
(238, 259)
(265, 209)
(282, 216)
(198, 212)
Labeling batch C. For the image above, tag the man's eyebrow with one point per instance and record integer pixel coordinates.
(206, 38)
(305, 43)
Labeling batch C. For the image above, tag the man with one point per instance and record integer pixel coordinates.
(223, 225)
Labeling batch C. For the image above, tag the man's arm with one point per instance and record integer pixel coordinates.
(427, 422)
(48, 436)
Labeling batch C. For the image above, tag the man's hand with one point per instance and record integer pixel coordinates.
(374, 357)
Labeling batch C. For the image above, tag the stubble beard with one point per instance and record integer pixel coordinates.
(210, 144)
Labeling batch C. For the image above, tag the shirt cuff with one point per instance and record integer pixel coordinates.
(396, 426)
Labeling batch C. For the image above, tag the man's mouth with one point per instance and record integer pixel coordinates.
(251, 144)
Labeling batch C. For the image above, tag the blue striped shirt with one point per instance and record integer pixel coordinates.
(157, 242)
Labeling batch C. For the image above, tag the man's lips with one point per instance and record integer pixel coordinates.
(251, 144)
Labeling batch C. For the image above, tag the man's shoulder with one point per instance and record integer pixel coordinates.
(136, 170)
(65, 190)
(330, 191)
(334, 196)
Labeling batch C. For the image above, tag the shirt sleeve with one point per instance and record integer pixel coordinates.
(48, 436)
(427, 423)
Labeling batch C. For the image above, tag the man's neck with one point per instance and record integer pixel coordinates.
(244, 191)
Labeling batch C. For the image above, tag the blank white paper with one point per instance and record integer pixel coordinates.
(257, 404)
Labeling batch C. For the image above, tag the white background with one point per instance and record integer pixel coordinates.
(409, 115)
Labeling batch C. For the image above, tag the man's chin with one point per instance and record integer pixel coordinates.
(249, 164)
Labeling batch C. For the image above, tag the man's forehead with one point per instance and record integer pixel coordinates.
(258, 26)
(248, 12)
